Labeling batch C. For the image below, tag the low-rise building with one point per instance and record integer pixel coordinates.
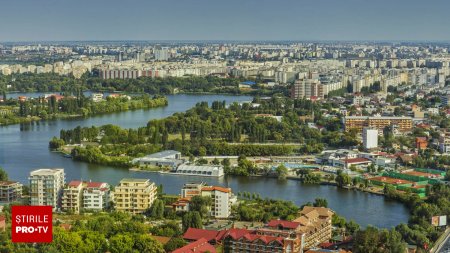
(72, 197)
(402, 124)
(167, 158)
(201, 170)
(134, 195)
(10, 191)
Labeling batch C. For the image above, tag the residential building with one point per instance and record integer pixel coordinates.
(307, 89)
(192, 189)
(199, 246)
(134, 195)
(370, 138)
(10, 191)
(96, 196)
(221, 200)
(315, 225)
(421, 143)
(72, 197)
(402, 124)
(312, 228)
(444, 142)
(46, 187)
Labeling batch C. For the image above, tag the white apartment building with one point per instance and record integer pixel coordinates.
(46, 187)
(221, 200)
(370, 138)
(96, 196)
(444, 142)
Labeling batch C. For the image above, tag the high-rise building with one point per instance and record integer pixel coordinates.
(370, 138)
(307, 89)
(221, 200)
(162, 54)
(46, 187)
(134, 195)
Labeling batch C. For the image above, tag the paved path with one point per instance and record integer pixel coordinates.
(443, 243)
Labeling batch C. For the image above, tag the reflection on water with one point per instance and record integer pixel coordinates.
(25, 147)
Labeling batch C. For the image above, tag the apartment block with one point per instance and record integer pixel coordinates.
(444, 142)
(402, 124)
(72, 197)
(10, 191)
(310, 229)
(96, 196)
(134, 195)
(370, 138)
(221, 200)
(46, 187)
(89, 196)
(307, 89)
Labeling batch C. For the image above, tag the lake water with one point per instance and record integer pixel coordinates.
(25, 147)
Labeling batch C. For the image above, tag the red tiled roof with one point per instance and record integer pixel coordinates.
(75, 183)
(199, 246)
(283, 223)
(2, 218)
(216, 188)
(236, 233)
(94, 184)
(197, 233)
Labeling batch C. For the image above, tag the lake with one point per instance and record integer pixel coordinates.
(25, 147)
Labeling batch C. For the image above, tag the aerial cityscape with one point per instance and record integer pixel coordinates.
(197, 126)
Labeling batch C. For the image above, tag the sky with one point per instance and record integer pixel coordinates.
(373, 20)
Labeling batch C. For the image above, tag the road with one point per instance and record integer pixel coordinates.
(443, 243)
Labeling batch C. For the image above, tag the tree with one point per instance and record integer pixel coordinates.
(144, 243)
(200, 204)
(192, 219)
(120, 243)
(3, 175)
(320, 202)
(174, 243)
(157, 209)
(352, 227)
(343, 179)
(282, 172)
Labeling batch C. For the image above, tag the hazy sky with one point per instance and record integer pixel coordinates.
(32, 20)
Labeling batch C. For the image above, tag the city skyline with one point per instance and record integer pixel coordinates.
(199, 20)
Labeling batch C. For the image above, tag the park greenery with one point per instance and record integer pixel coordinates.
(50, 82)
(217, 129)
(17, 111)
(114, 232)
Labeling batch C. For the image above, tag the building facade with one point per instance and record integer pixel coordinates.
(46, 187)
(10, 191)
(72, 197)
(370, 138)
(96, 196)
(402, 124)
(134, 195)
